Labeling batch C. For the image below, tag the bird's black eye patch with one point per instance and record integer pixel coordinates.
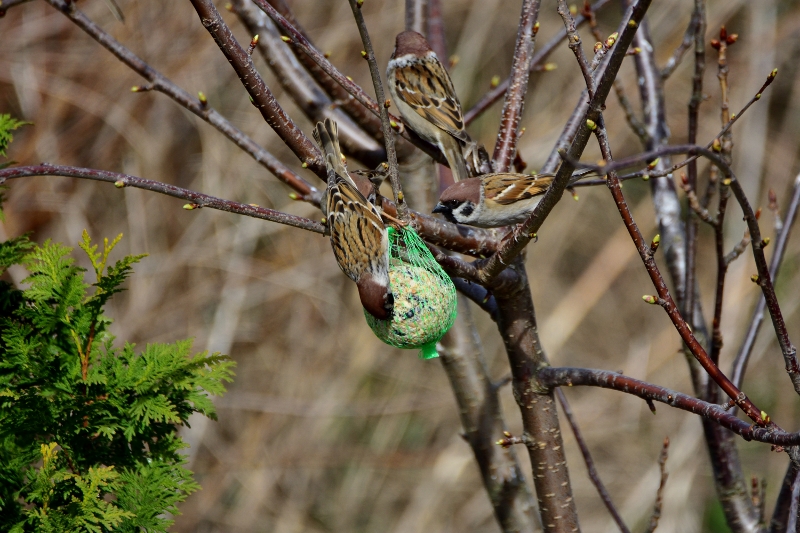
(467, 209)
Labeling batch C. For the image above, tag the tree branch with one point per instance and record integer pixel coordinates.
(160, 83)
(594, 477)
(388, 134)
(524, 232)
(197, 199)
(261, 96)
(508, 134)
(569, 377)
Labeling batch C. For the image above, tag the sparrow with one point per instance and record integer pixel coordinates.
(495, 200)
(427, 102)
(358, 235)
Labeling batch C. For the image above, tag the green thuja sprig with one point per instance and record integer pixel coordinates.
(88, 429)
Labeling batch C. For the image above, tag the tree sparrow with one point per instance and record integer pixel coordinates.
(358, 235)
(426, 99)
(493, 200)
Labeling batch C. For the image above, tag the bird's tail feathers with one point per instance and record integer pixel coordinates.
(327, 136)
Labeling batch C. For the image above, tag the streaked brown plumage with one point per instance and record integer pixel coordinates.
(426, 99)
(493, 200)
(358, 235)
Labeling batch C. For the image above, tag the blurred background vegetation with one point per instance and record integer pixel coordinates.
(325, 428)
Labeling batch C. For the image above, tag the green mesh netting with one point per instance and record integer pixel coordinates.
(424, 297)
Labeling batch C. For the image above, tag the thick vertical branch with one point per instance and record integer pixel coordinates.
(483, 423)
(542, 434)
(505, 148)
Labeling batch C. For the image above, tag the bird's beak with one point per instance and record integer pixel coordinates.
(440, 208)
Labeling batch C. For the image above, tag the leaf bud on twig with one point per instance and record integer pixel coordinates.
(119, 184)
(650, 299)
(755, 279)
(611, 39)
(764, 242)
(654, 244)
(591, 124)
(495, 81)
(285, 39)
(253, 43)
(190, 207)
(203, 100)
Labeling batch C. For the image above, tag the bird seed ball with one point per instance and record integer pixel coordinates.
(423, 305)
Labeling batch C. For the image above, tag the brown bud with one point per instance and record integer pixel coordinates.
(758, 213)
(723, 33)
(732, 38)
(715, 44)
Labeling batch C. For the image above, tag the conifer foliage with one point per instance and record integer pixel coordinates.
(88, 428)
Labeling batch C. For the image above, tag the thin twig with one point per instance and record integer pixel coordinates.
(571, 377)
(301, 87)
(662, 467)
(537, 61)
(388, 134)
(677, 56)
(587, 458)
(197, 199)
(574, 43)
(523, 233)
(508, 133)
(763, 279)
(694, 106)
(262, 97)
(746, 350)
(734, 118)
(299, 41)
(160, 83)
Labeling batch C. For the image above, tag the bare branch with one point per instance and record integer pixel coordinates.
(587, 458)
(523, 233)
(388, 134)
(197, 199)
(677, 56)
(482, 420)
(262, 97)
(303, 89)
(571, 377)
(160, 83)
(746, 350)
(574, 43)
(764, 280)
(662, 466)
(508, 134)
(536, 62)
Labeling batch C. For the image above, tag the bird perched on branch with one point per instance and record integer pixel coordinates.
(427, 101)
(495, 200)
(358, 235)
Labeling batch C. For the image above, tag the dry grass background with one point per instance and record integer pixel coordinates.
(325, 428)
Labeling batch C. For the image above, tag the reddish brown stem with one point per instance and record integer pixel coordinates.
(508, 134)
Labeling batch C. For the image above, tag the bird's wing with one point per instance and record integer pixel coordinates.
(357, 230)
(506, 189)
(427, 88)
